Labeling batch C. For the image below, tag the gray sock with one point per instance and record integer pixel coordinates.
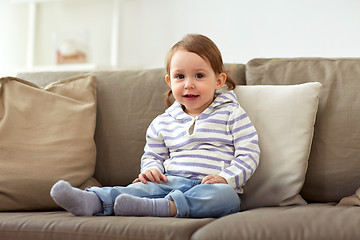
(74, 200)
(127, 205)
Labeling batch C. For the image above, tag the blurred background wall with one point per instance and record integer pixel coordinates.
(133, 34)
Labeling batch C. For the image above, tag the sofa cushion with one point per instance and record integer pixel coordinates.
(334, 161)
(284, 117)
(313, 221)
(46, 134)
(63, 225)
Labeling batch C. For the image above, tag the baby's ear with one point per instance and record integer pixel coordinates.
(220, 80)
(167, 79)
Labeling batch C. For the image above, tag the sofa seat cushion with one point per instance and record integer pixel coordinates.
(313, 221)
(63, 225)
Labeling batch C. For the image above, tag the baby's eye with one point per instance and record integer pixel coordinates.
(199, 75)
(179, 76)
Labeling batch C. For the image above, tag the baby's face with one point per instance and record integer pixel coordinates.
(192, 81)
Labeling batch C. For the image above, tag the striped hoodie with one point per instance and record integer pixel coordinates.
(221, 140)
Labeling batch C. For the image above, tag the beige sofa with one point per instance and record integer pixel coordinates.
(299, 162)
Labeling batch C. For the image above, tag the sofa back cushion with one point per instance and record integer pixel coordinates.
(127, 102)
(334, 161)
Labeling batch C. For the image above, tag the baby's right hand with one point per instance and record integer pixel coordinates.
(151, 175)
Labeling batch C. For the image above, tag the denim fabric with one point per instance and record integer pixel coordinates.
(191, 198)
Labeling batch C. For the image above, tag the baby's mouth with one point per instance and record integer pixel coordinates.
(190, 96)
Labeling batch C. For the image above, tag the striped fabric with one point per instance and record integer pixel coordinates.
(221, 140)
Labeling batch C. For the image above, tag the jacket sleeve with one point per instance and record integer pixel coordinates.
(247, 152)
(155, 151)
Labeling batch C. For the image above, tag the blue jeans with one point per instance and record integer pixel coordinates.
(190, 197)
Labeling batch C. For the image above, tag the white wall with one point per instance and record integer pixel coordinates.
(12, 34)
(242, 29)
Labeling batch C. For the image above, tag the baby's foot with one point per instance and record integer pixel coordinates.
(74, 200)
(127, 205)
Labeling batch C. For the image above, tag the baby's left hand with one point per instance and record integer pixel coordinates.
(211, 179)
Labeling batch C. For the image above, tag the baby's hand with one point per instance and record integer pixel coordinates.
(211, 179)
(151, 175)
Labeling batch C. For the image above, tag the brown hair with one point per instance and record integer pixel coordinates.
(205, 48)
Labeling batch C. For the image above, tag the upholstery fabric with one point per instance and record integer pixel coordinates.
(313, 221)
(62, 225)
